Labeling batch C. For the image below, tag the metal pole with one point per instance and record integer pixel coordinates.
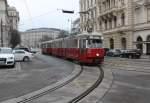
(1, 33)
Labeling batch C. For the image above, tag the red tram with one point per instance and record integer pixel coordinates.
(84, 48)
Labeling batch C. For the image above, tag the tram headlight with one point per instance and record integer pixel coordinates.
(97, 54)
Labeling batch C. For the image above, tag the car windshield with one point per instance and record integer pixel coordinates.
(94, 43)
(5, 51)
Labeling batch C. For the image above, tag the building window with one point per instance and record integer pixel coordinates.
(122, 2)
(109, 4)
(148, 45)
(123, 42)
(148, 14)
(111, 43)
(148, 38)
(123, 19)
(100, 24)
(139, 45)
(115, 21)
(105, 24)
(110, 24)
(113, 3)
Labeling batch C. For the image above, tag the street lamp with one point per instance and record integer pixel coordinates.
(88, 25)
(68, 11)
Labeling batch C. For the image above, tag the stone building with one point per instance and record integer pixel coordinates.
(142, 25)
(32, 38)
(13, 18)
(75, 29)
(115, 19)
(4, 23)
(88, 15)
(9, 19)
(124, 23)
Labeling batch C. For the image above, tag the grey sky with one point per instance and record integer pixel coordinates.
(45, 13)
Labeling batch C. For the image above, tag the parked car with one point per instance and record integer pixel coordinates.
(6, 57)
(34, 50)
(22, 55)
(106, 51)
(133, 53)
(22, 48)
(114, 53)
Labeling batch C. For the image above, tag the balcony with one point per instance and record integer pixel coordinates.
(118, 29)
(113, 9)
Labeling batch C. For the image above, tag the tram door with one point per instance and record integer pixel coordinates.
(82, 46)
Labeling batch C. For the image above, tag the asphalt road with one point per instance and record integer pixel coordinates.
(40, 72)
(129, 85)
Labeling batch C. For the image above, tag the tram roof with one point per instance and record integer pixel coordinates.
(86, 34)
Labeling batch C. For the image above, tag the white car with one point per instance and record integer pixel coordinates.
(7, 57)
(22, 55)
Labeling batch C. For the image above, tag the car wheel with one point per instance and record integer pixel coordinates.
(13, 65)
(130, 56)
(26, 59)
(121, 56)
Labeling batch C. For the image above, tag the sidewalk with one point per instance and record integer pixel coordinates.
(145, 56)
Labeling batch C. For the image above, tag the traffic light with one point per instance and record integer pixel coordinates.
(67, 11)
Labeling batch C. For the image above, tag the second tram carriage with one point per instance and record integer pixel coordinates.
(84, 48)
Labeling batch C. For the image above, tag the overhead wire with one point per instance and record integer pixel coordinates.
(31, 19)
(28, 10)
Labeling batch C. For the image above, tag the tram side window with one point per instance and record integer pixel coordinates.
(82, 43)
(73, 43)
(44, 45)
(49, 45)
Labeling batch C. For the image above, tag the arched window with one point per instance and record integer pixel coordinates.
(139, 39)
(124, 43)
(111, 43)
(148, 38)
(148, 45)
(139, 45)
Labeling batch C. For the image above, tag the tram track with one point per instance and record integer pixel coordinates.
(37, 94)
(50, 90)
(76, 99)
(95, 85)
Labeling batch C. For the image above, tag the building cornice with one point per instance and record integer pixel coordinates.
(118, 30)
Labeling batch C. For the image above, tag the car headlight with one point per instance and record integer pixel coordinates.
(11, 58)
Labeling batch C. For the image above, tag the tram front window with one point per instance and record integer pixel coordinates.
(94, 43)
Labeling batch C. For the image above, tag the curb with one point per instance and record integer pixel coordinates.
(32, 94)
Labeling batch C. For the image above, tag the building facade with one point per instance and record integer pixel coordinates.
(4, 23)
(9, 18)
(88, 15)
(124, 23)
(75, 29)
(142, 25)
(13, 18)
(32, 38)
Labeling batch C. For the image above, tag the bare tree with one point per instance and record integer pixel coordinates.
(15, 38)
(63, 34)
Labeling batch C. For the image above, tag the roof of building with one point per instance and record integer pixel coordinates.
(43, 29)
